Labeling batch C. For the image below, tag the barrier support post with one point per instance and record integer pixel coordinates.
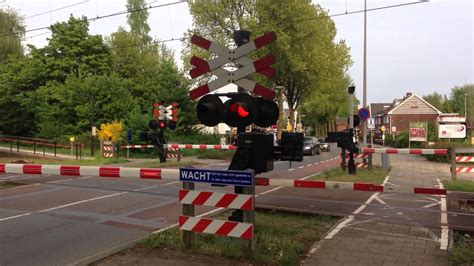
(18, 144)
(453, 163)
(44, 150)
(34, 146)
(179, 155)
(55, 146)
(188, 210)
(11, 146)
(343, 159)
(249, 217)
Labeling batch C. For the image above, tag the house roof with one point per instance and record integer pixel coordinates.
(407, 98)
(378, 108)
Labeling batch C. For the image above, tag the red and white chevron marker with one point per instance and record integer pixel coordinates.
(405, 151)
(184, 146)
(216, 199)
(464, 169)
(465, 159)
(237, 55)
(96, 171)
(262, 181)
(216, 227)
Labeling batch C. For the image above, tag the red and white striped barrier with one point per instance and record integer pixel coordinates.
(173, 174)
(261, 181)
(216, 227)
(108, 151)
(465, 159)
(216, 199)
(358, 155)
(173, 155)
(464, 169)
(96, 171)
(183, 146)
(405, 151)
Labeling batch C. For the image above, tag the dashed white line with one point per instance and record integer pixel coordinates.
(301, 167)
(444, 221)
(291, 169)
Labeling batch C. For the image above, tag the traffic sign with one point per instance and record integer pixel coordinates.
(364, 114)
(237, 56)
(220, 177)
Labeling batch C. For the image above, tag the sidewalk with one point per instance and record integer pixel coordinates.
(390, 228)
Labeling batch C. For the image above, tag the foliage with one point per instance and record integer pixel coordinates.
(281, 239)
(111, 131)
(12, 29)
(463, 249)
(137, 19)
(374, 176)
(398, 141)
(459, 185)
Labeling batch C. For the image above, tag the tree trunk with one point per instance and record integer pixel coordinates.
(281, 120)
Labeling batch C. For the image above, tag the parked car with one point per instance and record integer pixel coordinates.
(325, 146)
(311, 146)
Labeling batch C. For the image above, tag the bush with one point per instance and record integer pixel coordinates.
(438, 158)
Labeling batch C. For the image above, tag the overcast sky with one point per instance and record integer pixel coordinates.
(419, 48)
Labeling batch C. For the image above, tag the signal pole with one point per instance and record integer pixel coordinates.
(364, 96)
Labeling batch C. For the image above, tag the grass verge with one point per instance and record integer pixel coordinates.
(217, 154)
(376, 176)
(459, 185)
(5, 185)
(281, 239)
(463, 249)
(157, 164)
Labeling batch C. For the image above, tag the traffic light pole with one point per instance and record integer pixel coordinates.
(351, 165)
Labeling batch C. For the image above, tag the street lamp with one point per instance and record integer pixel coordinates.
(465, 106)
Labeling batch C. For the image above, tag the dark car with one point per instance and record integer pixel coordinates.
(311, 146)
(325, 146)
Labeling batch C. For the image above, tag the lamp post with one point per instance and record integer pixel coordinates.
(364, 96)
(465, 106)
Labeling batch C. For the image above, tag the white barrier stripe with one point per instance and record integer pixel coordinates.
(190, 197)
(239, 230)
(51, 170)
(14, 168)
(130, 172)
(170, 174)
(190, 223)
(239, 201)
(281, 182)
(339, 185)
(89, 170)
(214, 226)
(214, 199)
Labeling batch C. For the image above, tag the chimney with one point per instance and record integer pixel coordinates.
(408, 94)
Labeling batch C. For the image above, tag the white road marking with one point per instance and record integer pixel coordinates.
(268, 191)
(301, 166)
(75, 203)
(444, 221)
(171, 183)
(291, 169)
(350, 218)
(309, 164)
(7, 189)
(431, 205)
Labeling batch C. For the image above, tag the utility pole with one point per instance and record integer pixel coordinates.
(364, 101)
(351, 165)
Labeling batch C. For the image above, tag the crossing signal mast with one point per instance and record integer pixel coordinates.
(163, 117)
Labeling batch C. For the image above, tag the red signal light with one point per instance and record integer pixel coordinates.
(162, 124)
(239, 109)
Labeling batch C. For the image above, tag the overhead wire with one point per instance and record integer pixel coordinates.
(57, 9)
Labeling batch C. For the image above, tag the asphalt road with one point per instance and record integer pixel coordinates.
(59, 220)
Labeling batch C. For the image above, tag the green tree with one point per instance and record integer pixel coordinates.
(12, 29)
(436, 99)
(137, 20)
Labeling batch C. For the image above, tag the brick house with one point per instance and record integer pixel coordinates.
(412, 108)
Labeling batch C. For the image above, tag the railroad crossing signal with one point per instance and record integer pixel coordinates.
(240, 111)
(236, 56)
(164, 116)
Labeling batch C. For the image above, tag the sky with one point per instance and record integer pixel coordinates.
(420, 48)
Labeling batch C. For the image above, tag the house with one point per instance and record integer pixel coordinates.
(412, 108)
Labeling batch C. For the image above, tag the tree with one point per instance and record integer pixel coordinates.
(436, 99)
(137, 20)
(12, 30)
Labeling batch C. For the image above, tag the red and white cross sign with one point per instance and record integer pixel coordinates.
(237, 55)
